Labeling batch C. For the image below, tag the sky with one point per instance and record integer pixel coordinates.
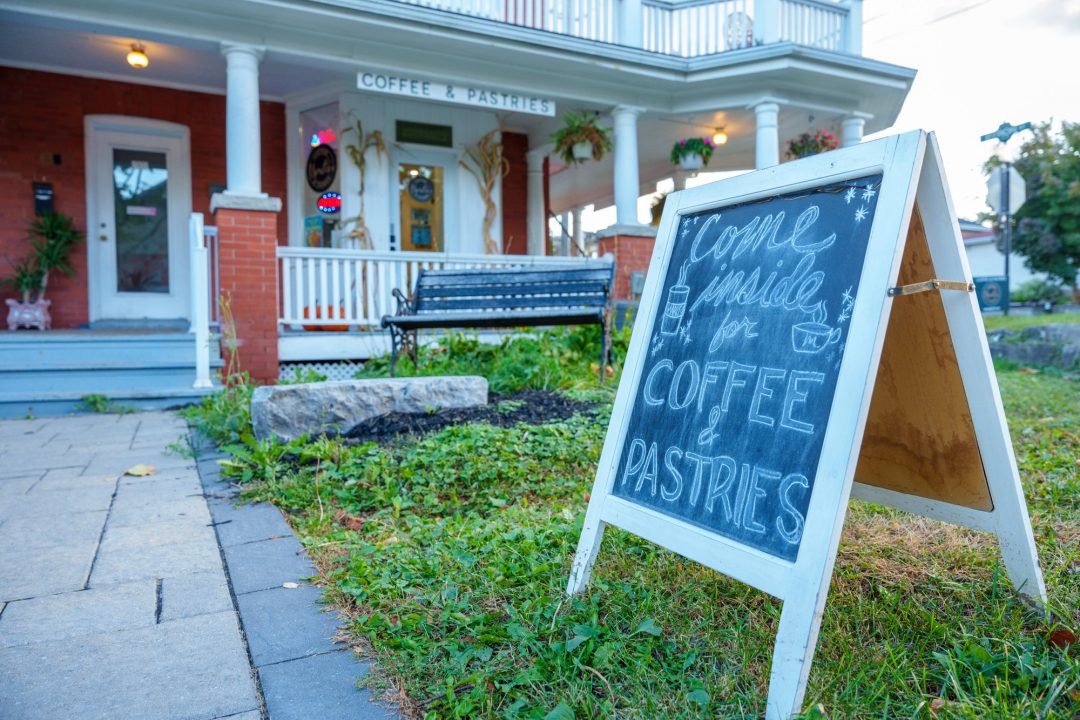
(980, 63)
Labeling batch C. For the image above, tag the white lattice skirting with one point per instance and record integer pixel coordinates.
(342, 370)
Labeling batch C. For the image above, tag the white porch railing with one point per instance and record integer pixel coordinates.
(201, 299)
(684, 28)
(353, 288)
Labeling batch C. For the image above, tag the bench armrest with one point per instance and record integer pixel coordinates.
(404, 307)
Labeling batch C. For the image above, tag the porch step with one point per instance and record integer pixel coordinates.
(48, 373)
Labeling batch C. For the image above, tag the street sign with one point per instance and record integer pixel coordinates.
(1017, 189)
(992, 292)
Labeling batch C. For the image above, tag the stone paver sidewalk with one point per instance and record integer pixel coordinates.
(115, 601)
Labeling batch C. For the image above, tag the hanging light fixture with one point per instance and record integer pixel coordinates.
(719, 137)
(136, 58)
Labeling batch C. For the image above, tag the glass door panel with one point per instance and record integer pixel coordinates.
(421, 195)
(140, 193)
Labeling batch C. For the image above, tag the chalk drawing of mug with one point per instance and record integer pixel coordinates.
(675, 309)
(813, 337)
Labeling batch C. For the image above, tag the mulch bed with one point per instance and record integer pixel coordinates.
(533, 407)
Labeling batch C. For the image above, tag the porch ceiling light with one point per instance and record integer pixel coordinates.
(720, 137)
(136, 58)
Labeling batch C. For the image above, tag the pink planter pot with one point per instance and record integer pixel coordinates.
(29, 315)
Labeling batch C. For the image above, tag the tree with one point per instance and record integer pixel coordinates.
(1047, 227)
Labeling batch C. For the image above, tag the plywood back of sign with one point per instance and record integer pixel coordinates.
(919, 437)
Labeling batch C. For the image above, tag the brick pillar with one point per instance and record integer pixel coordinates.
(248, 274)
(632, 247)
(515, 197)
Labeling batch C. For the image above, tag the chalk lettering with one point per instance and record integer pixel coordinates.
(708, 377)
(673, 395)
(733, 382)
(649, 397)
(634, 461)
(649, 472)
(700, 462)
(753, 494)
(761, 392)
(719, 488)
(796, 395)
(794, 534)
(673, 494)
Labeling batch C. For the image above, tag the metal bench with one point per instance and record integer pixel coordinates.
(503, 297)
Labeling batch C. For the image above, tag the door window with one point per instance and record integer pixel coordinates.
(140, 187)
(421, 194)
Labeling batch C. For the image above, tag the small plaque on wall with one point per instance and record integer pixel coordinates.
(406, 131)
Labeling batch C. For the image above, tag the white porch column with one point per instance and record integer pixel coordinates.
(851, 131)
(579, 236)
(631, 24)
(243, 148)
(535, 213)
(627, 181)
(767, 149)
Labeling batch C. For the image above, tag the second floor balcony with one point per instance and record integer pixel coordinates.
(679, 28)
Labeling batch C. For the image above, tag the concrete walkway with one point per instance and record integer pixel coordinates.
(114, 600)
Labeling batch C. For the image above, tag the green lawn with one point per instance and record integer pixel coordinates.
(1018, 322)
(450, 554)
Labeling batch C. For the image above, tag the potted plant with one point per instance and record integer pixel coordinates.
(692, 153)
(656, 208)
(581, 138)
(52, 237)
(809, 144)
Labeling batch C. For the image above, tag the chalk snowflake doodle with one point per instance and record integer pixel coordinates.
(847, 302)
(849, 195)
(861, 214)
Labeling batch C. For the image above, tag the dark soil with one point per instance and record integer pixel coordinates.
(533, 407)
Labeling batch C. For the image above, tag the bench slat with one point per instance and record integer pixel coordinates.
(427, 305)
(519, 318)
(435, 278)
(463, 291)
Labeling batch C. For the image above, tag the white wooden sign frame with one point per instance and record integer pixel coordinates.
(912, 170)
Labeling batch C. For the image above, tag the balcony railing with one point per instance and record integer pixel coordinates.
(353, 289)
(683, 28)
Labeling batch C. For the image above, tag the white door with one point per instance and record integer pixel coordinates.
(138, 186)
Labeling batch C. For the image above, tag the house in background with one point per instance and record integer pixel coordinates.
(246, 113)
(985, 259)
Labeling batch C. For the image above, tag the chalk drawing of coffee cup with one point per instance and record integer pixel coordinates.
(813, 337)
(675, 309)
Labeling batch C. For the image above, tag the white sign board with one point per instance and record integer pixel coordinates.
(807, 333)
(459, 93)
(1017, 189)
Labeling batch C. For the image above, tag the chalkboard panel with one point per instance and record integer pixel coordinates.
(729, 415)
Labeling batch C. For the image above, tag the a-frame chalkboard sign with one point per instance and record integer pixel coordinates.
(807, 333)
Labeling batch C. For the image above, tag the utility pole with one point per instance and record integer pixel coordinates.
(1004, 132)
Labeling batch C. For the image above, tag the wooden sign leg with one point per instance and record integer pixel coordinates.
(592, 533)
(796, 639)
(1011, 523)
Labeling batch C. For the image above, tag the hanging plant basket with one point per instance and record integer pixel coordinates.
(692, 154)
(691, 162)
(581, 138)
(582, 151)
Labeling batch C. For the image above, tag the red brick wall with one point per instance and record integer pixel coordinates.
(632, 254)
(41, 116)
(515, 194)
(247, 241)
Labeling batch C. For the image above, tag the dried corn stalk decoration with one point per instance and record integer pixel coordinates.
(357, 152)
(486, 163)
